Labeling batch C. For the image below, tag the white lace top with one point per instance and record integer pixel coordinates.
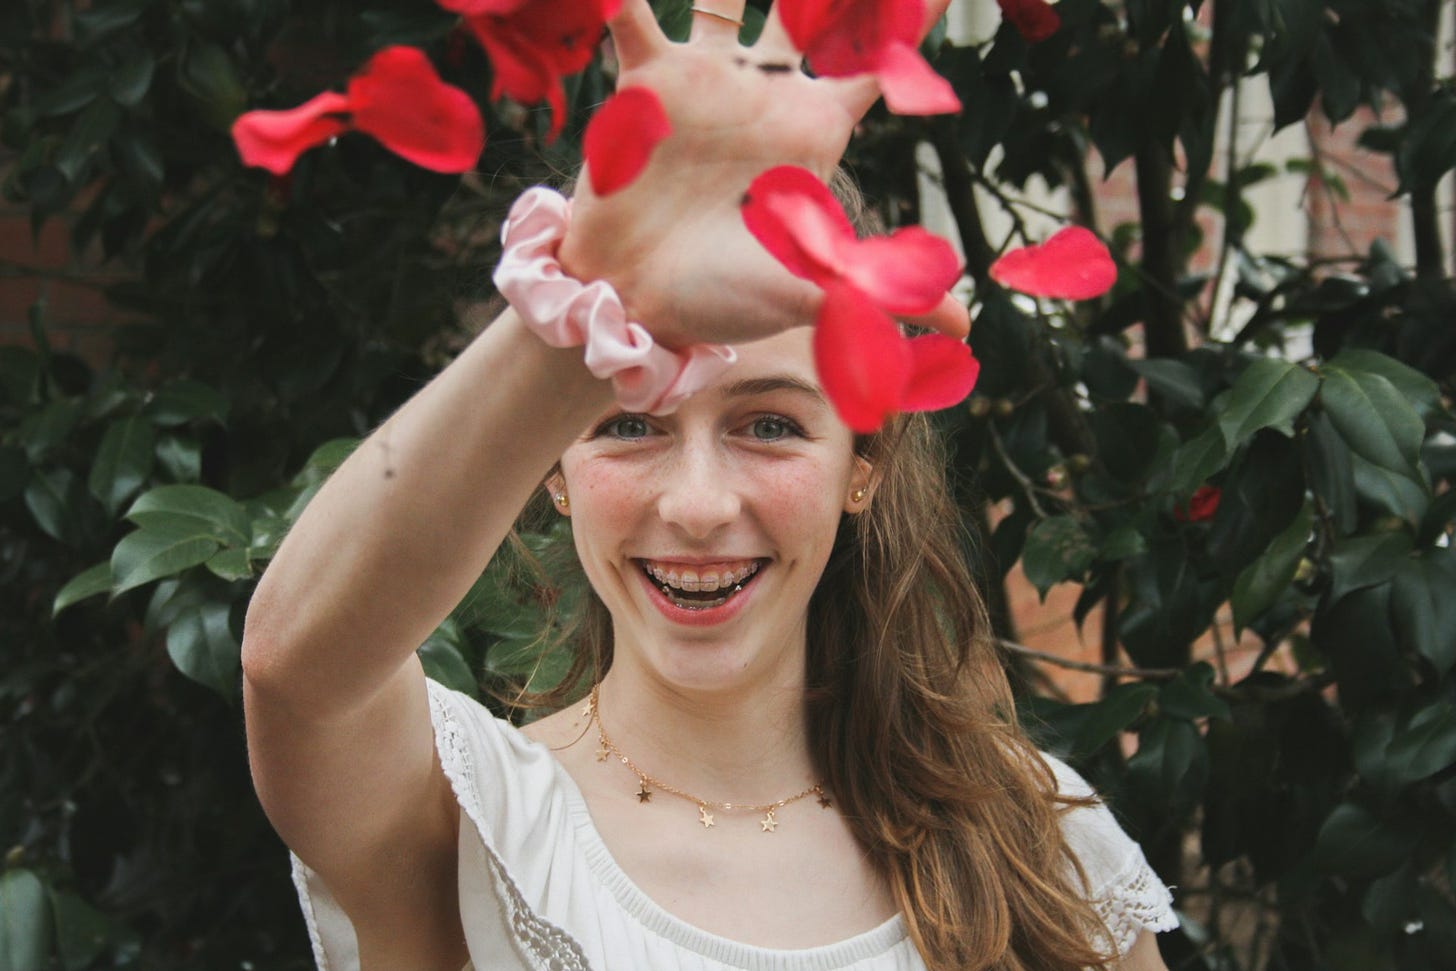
(540, 892)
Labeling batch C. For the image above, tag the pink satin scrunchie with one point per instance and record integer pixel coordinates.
(564, 312)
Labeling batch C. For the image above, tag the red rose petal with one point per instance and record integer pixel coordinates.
(1202, 505)
(907, 272)
(798, 220)
(274, 140)
(1034, 20)
(621, 136)
(840, 38)
(911, 86)
(401, 101)
(861, 358)
(1072, 265)
(942, 372)
(533, 45)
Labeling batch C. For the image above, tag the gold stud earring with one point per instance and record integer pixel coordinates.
(857, 495)
(562, 501)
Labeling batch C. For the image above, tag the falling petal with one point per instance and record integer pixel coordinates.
(797, 219)
(621, 136)
(533, 45)
(942, 372)
(400, 100)
(907, 272)
(274, 140)
(911, 86)
(1072, 265)
(862, 360)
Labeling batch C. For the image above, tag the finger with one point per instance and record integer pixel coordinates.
(717, 21)
(856, 94)
(949, 317)
(636, 35)
(774, 43)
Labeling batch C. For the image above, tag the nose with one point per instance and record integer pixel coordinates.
(697, 491)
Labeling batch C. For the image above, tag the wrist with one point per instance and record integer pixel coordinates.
(565, 312)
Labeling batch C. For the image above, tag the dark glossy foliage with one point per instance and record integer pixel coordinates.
(1304, 810)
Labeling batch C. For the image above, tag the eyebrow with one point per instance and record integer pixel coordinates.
(773, 382)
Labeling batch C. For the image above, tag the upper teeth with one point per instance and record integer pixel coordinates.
(704, 580)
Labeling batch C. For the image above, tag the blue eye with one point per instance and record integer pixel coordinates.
(628, 427)
(772, 428)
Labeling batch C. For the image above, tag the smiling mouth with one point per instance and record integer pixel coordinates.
(690, 591)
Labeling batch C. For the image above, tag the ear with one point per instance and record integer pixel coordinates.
(862, 482)
(555, 486)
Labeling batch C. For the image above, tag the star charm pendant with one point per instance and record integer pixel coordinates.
(824, 802)
(644, 794)
(768, 824)
(602, 753)
(705, 817)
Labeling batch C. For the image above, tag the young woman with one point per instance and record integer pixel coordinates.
(798, 753)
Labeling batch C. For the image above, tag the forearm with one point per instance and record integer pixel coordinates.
(399, 533)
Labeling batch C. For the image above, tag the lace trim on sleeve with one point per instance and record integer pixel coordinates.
(543, 945)
(1135, 901)
(315, 939)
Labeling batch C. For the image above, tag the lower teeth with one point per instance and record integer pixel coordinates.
(679, 601)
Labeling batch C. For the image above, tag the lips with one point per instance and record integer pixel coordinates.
(700, 586)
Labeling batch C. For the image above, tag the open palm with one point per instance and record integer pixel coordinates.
(673, 242)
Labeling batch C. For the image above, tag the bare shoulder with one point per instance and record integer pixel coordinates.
(1143, 955)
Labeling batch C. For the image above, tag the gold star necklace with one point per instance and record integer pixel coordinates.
(647, 785)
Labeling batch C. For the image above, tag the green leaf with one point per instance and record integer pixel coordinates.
(1391, 492)
(1104, 719)
(324, 460)
(1354, 842)
(180, 457)
(82, 931)
(1196, 460)
(1379, 424)
(50, 426)
(1260, 585)
(87, 136)
(54, 498)
(129, 83)
(181, 402)
(25, 921)
(444, 661)
(152, 554)
(204, 511)
(1056, 549)
(88, 583)
(1423, 610)
(1269, 394)
(201, 644)
(1190, 695)
(206, 72)
(1425, 746)
(1175, 380)
(1423, 394)
(1123, 542)
(230, 564)
(1366, 561)
(1170, 766)
(123, 462)
(1331, 473)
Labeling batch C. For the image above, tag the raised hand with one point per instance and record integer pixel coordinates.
(673, 242)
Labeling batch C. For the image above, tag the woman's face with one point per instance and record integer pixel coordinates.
(706, 531)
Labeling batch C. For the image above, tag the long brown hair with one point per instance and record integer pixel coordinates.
(911, 723)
